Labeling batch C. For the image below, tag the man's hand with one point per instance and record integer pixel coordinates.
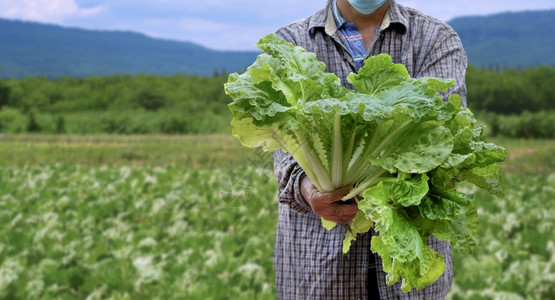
(329, 205)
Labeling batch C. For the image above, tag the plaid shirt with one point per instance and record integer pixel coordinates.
(308, 259)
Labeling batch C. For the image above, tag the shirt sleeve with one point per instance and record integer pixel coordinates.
(447, 59)
(289, 175)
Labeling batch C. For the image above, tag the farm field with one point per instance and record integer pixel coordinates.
(193, 217)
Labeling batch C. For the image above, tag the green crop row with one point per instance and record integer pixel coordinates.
(69, 232)
(119, 232)
(515, 258)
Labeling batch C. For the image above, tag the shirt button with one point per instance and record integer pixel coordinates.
(358, 43)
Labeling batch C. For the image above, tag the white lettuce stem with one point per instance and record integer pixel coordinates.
(337, 160)
(359, 164)
(321, 178)
(300, 159)
(347, 157)
(362, 186)
(303, 163)
(359, 161)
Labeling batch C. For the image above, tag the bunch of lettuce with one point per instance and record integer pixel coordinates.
(393, 139)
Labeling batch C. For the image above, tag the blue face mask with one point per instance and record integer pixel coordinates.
(366, 7)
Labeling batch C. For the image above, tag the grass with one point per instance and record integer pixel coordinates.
(192, 151)
(526, 157)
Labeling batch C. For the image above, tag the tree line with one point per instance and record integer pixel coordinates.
(517, 103)
(121, 104)
(514, 103)
(511, 91)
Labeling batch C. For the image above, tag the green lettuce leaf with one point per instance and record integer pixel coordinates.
(379, 73)
(360, 224)
(488, 178)
(401, 147)
(400, 244)
(460, 231)
(446, 205)
(406, 190)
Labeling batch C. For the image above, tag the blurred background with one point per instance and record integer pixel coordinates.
(119, 177)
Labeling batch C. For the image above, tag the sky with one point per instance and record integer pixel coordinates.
(219, 24)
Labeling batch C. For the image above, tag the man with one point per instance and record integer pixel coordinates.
(308, 259)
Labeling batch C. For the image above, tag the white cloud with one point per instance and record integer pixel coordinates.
(43, 10)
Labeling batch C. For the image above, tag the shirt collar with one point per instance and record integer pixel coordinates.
(339, 21)
(396, 17)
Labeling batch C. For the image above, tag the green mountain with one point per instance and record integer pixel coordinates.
(512, 39)
(515, 39)
(35, 49)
